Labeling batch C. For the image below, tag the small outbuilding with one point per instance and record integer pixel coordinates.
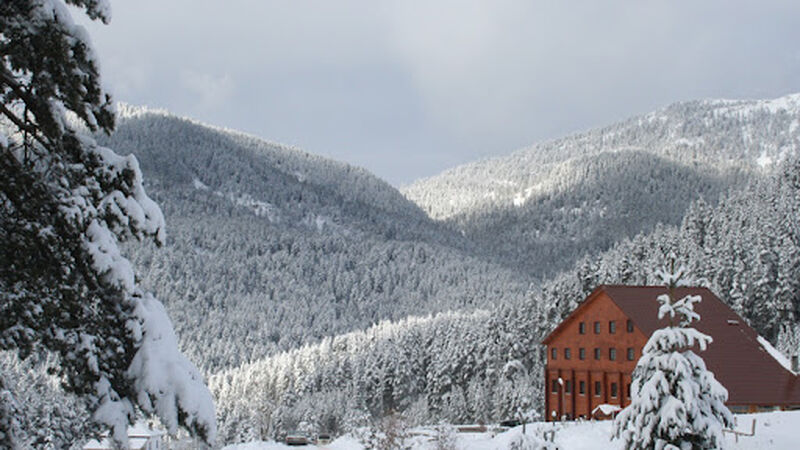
(592, 353)
(140, 437)
(605, 411)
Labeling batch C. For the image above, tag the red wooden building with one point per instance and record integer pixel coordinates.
(592, 353)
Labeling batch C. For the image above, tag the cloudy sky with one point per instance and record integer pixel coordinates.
(407, 89)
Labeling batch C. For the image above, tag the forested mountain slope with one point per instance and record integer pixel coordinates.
(605, 198)
(269, 247)
(283, 184)
(279, 264)
(484, 365)
(542, 207)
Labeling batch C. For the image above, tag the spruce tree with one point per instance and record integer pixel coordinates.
(65, 204)
(676, 403)
(9, 422)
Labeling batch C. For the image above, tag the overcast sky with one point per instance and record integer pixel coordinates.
(407, 89)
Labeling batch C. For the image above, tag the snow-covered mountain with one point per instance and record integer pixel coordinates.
(284, 185)
(272, 247)
(484, 365)
(269, 248)
(542, 207)
(310, 290)
(715, 132)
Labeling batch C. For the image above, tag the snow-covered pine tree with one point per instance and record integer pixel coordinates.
(676, 403)
(65, 203)
(788, 341)
(9, 424)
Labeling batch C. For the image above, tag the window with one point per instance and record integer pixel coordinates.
(582, 328)
(629, 390)
(567, 353)
(631, 353)
(554, 387)
(553, 354)
(597, 388)
(612, 354)
(581, 353)
(582, 387)
(597, 354)
(568, 386)
(614, 390)
(612, 326)
(597, 328)
(630, 326)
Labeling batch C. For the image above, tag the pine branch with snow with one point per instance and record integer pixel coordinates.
(65, 204)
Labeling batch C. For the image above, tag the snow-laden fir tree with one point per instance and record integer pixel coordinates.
(65, 203)
(676, 403)
(9, 424)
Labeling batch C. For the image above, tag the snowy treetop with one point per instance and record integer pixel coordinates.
(683, 309)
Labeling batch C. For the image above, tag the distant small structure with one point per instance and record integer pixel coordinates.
(140, 437)
(605, 411)
(324, 438)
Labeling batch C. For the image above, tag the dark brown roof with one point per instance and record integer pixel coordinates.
(738, 360)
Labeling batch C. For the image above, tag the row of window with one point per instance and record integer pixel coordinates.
(612, 327)
(612, 353)
(598, 388)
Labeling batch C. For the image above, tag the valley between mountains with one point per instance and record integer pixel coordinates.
(308, 290)
(299, 284)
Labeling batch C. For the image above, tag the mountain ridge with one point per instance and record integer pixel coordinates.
(530, 208)
(271, 260)
(455, 197)
(325, 295)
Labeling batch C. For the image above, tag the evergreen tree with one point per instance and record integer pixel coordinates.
(65, 203)
(9, 424)
(676, 403)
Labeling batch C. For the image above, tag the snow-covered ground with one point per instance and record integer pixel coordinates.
(775, 430)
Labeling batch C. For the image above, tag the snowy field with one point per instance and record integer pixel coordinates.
(776, 430)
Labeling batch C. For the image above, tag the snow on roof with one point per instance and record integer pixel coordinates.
(141, 429)
(606, 409)
(137, 443)
(138, 435)
(783, 360)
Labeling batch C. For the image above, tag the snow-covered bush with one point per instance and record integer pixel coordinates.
(676, 403)
(525, 441)
(445, 437)
(389, 433)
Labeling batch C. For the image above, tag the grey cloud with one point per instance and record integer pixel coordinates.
(407, 89)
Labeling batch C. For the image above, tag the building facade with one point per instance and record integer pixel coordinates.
(592, 353)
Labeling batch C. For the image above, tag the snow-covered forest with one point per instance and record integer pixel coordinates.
(545, 206)
(301, 292)
(450, 367)
(274, 248)
(299, 284)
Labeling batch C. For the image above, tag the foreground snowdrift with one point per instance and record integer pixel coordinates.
(776, 430)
